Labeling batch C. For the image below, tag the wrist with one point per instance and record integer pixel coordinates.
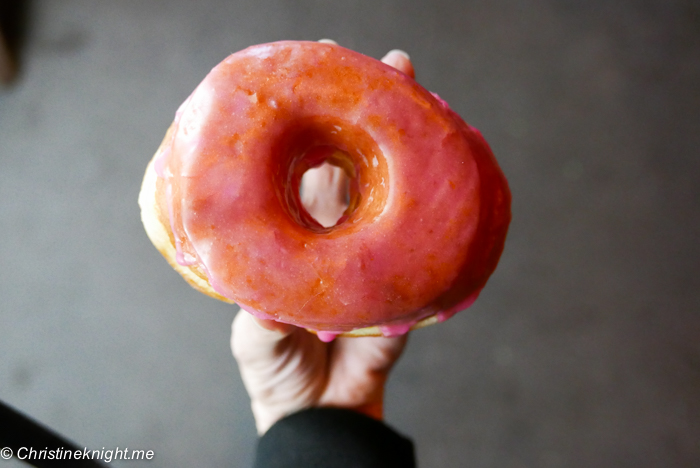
(373, 410)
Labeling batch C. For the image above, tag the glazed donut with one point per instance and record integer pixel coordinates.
(428, 210)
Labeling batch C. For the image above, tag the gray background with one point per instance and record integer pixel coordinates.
(583, 350)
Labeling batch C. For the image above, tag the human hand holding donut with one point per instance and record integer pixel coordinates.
(286, 369)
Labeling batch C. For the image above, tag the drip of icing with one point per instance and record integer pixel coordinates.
(184, 258)
(216, 286)
(396, 329)
(179, 256)
(466, 303)
(161, 160)
(214, 283)
(326, 336)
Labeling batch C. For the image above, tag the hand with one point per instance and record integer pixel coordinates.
(324, 192)
(286, 369)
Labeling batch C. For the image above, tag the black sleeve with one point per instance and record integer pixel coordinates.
(333, 438)
(20, 432)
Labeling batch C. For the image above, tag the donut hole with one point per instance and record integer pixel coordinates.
(333, 179)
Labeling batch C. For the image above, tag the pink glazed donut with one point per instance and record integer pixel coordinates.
(429, 206)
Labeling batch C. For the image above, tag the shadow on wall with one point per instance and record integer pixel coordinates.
(14, 21)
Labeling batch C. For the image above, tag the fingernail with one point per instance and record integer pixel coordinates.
(328, 41)
(400, 52)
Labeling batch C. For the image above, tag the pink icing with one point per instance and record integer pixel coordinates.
(465, 304)
(179, 256)
(385, 264)
(440, 100)
(326, 336)
(160, 162)
(396, 329)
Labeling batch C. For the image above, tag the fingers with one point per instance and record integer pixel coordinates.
(377, 354)
(282, 367)
(255, 340)
(401, 61)
(358, 370)
(326, 181)
(323, 193)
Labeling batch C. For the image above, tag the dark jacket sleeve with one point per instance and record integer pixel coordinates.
(19, 432)
(333, 438)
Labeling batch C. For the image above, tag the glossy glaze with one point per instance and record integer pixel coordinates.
(432, 206)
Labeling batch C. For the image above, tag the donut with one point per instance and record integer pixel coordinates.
(428, 209)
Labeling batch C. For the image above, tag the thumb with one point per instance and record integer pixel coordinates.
(401, 61)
